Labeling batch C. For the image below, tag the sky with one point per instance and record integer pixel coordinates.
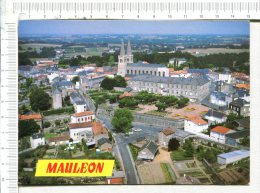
(70, 27)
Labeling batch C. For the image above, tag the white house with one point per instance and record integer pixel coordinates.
(52, 76)
(79, 131)
(78, 102)
(215, 117)
(36, 140)
(225, 77)
(195, 124)
(232, 157)
(87, 116)
(218, 133)
(219, 98)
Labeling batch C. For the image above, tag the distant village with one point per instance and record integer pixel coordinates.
(188, 126)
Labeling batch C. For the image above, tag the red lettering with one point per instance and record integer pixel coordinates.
(51, 168)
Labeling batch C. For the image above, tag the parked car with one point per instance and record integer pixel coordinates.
(137, 129)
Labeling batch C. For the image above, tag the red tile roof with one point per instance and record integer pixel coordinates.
(245, 86)
(197, 120)
(80, 125)
(32, 116)
(98, 129)
(81, 114)
(59, 138)
(220, 129)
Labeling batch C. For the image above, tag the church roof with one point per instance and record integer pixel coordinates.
(129, 51)
(122, 50)
(142, 64)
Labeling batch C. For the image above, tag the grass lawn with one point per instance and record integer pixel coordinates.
(134, 150)
(179, 155)
(168, 173)
(49, 135)
(156, 113)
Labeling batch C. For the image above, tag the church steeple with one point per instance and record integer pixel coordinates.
(129, 51)
(122, 50)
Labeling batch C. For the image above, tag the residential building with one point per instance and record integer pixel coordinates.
(99, 131)
(79, 131)
(226, 77)
(219, 133)
(195, 88)
(52, 76)
(36, 140)
(243, 123)
(86, 116)
(215, 117)
(195, 124)
(219, 98)
(117, 177)
(37, 117)
(165, 135)
(104, 144)
(235, 138)
(78, 102)
(232, 157)
(148, 151)
(240, 106)
(59, 140)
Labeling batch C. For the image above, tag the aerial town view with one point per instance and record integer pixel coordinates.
(168, 101)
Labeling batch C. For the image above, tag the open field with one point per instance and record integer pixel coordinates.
(203, 52)
(39, 46)
(151, 173)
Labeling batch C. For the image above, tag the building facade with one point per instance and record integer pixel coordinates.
(82, 117)
(192, 87)
(124, 58)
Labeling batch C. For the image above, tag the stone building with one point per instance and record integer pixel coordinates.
(195, 88)
(142, 68)
(124, 58)
(126, 66)
(56, 98)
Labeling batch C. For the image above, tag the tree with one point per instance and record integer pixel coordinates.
(57, 122)
(182, 102)
(46, 124)
(210, 156)
(75, 79)
(27, 128)
(173, 144)
(108, 83)
(39, 100)
(245, 141)
(128, 102)
(188, 149)
(120, 81)
(161, 106)
(122, 120)
(112, 99)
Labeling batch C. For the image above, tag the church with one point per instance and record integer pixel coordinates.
(127, 67)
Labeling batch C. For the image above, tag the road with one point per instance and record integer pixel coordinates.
(148, 131)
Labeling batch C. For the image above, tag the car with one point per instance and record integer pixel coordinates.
(137, 129)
